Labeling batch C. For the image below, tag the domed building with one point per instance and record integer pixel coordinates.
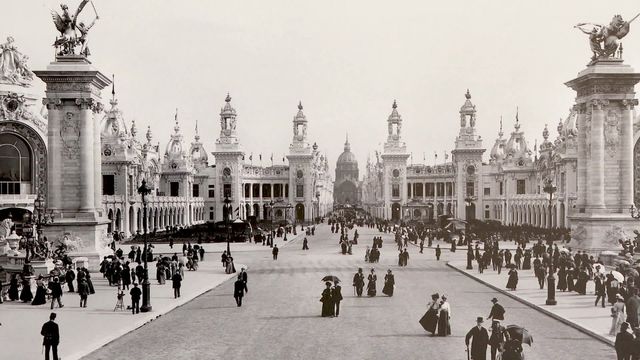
(346, 188)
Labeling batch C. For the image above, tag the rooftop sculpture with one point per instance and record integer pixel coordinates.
(13, 65)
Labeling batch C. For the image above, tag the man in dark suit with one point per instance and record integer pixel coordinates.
(337, 297)
(238, 290)
(497, 311)
(274, 252)
(56, 292)
(496, 338)
(480, 337)
(177, 283)
(135, 293)
(69, 276)
(243, 276)
(51, 337)
(632, 306)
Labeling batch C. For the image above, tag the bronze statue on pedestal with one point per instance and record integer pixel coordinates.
(604, 39)
(69, 27)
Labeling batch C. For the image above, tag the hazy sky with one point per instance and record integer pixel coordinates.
(346, 60)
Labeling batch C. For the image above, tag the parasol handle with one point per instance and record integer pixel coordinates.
(635, 17)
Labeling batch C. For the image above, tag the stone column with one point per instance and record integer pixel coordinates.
(596, 161)
(87, 157)
(582, 156)
(54, 157)
(626, 155)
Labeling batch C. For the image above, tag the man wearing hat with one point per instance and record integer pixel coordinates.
(497, 311)
(480, 337)
(135, 298)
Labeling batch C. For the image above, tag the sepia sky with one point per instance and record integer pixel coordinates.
(345, 60)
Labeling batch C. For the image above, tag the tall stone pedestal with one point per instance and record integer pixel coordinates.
(74, 164)
(604, 104)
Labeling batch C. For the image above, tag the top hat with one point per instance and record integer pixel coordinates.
(479, 320)
(494, 300)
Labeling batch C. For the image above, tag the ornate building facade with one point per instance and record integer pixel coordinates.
(509, 187)
(188, 187)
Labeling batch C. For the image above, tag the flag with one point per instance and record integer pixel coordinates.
(113, 86)
(435, 154)
(260, 157)
(176, 117)
(271, 156)
(424, 157)
(251, 157)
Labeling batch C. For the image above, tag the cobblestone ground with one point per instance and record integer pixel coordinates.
(280, 317)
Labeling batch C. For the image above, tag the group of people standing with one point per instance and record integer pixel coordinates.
(331, 298)
(438, 316)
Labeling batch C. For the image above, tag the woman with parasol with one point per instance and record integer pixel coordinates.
(327, 301)
(429, 320)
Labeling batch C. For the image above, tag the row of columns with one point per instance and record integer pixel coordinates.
(157, 218)
(536, 215)
(413, 186)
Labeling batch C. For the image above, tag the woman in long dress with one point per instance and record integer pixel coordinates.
(371, 285)
(444, 318)
(562, 278)
(13, 288)
(327, 301)
(41, 293)
(389, 283)
(160, 273)
(26, 295)
(618, 315)
(430, 319)
(512, 283)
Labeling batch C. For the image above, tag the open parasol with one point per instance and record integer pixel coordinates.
(519, 333)
(617, 275)
(331, 278)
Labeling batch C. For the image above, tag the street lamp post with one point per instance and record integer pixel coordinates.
(286, 218)
(551, 280)
(227, 223)
(145, 190)
(269, 237)
(42, 217)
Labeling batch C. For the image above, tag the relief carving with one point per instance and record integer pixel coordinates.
(611, 132)
(70, 135)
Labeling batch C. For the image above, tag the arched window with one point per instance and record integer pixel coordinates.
(15, 163)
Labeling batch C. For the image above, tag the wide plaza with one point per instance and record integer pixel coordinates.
(151, 181)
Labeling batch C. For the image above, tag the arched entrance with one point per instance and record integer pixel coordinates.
(395, 212)
(300, 212)
(23, 159)
(470, 211)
